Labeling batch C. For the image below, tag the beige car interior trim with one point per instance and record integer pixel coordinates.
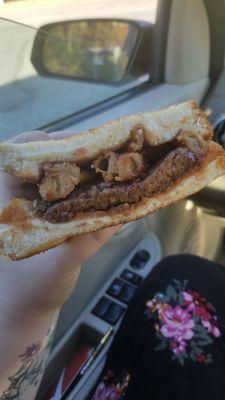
(188, 45)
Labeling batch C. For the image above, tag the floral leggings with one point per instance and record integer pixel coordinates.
(171, 344)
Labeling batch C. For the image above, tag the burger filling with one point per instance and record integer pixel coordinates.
(126, 175)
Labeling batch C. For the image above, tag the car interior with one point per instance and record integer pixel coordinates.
(140, 65)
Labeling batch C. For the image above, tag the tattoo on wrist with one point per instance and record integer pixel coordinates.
(33, 362)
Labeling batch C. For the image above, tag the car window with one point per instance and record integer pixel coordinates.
(29, 100)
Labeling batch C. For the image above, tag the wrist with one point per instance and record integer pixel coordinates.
(20, 314)
(36, 298)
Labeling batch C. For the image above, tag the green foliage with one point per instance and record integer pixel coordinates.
(93, 50)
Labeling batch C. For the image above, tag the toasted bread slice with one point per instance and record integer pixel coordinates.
(25, 160)
(25, 233)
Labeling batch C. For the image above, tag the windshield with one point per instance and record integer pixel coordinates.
(29, 100)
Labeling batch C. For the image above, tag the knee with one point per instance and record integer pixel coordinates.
(183, 265)
(184, 259)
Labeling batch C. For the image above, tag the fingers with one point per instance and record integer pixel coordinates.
(86, 245)
(30, 137)
(104, 235)
(37, 136)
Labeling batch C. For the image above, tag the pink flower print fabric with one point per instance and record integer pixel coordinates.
(177, 323)
(184, 321)
(112, 387)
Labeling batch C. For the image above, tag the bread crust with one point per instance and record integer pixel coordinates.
(25, 160)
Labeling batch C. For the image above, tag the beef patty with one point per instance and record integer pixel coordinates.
(104, 195)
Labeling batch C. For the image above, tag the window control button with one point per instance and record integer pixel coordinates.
(135, 263)
(140, 259)
(127, 293)
(143, 255)
(131, 277)
(115, 288)
(114, 313)
(102, 307)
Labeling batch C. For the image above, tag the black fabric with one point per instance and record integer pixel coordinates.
(153, 374)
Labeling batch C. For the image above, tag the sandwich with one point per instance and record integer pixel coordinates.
(113, 174)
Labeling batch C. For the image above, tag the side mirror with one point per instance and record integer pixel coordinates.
(97, 50)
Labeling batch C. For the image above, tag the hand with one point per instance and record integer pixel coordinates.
(43, 282)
